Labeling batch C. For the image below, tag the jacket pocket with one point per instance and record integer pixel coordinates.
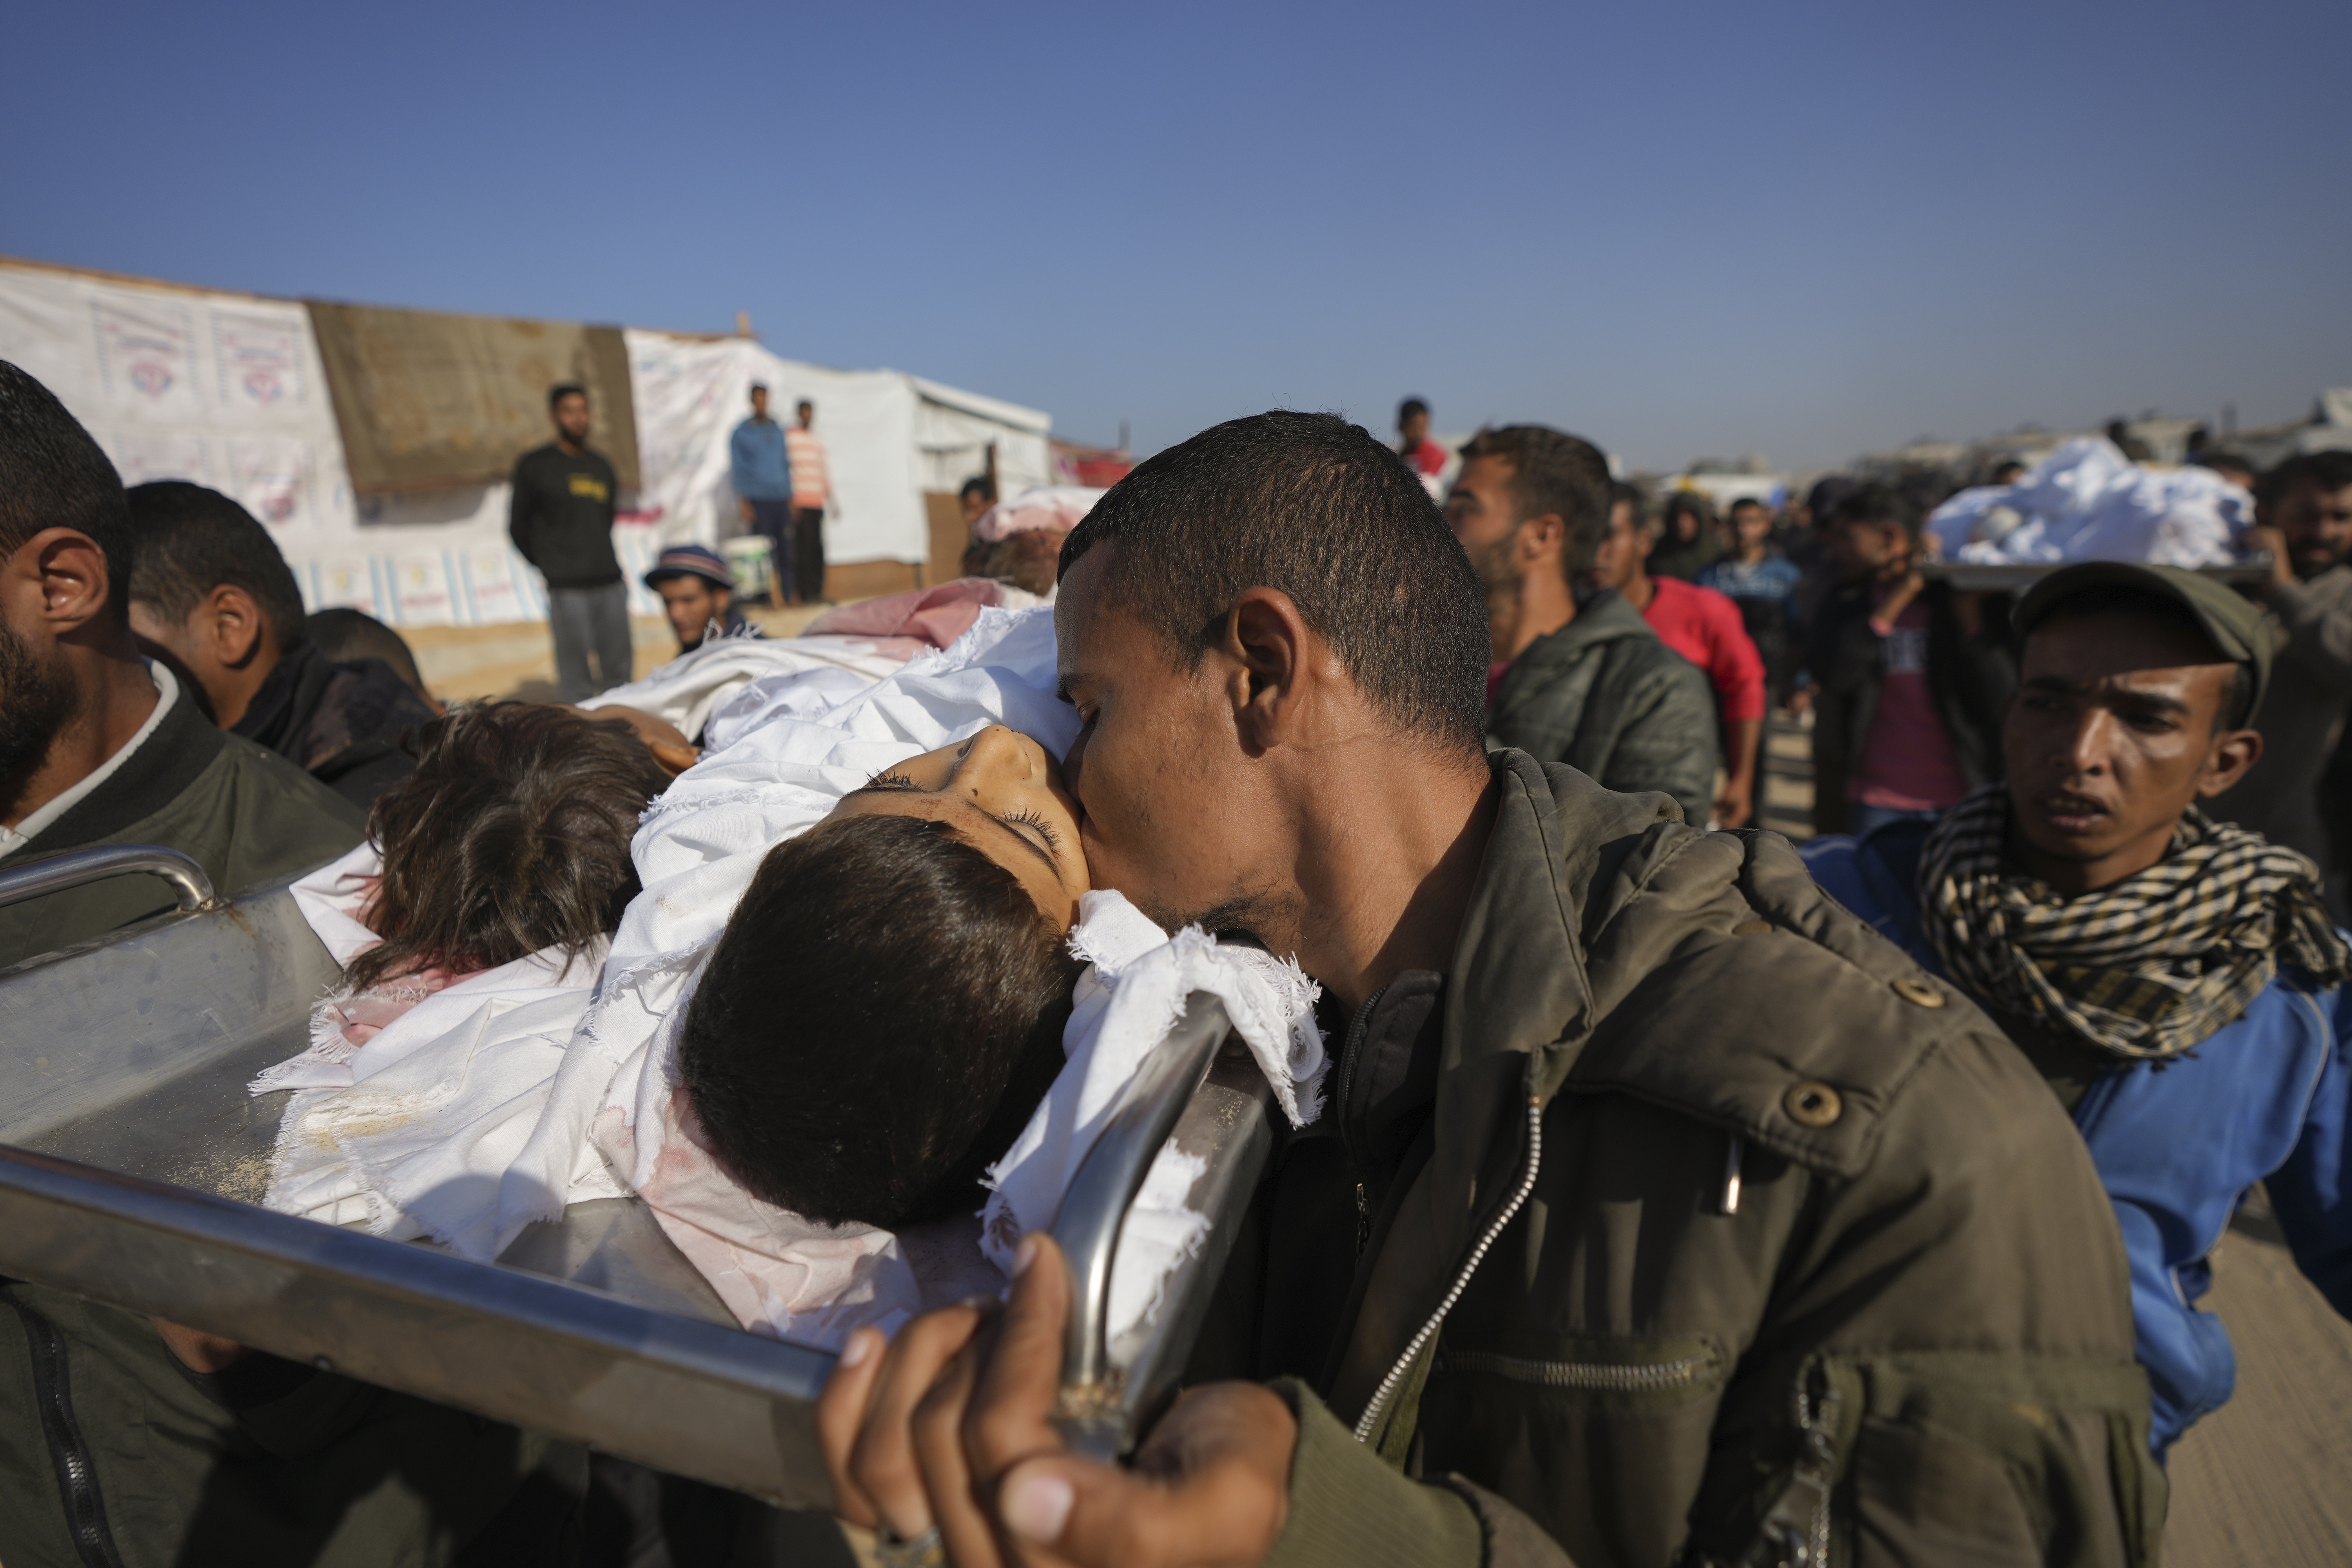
(1522, 1413)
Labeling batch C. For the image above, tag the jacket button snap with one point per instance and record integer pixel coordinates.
(1811, 1104)
(1916, 992)
(1751, 927)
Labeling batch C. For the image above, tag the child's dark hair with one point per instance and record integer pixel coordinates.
(883, 1012)
(512, 835)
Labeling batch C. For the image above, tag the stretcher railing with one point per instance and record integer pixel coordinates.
(132, 1160)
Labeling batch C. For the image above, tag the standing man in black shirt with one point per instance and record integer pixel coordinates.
(561, 520)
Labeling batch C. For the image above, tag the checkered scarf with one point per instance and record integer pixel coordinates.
(2144, 969)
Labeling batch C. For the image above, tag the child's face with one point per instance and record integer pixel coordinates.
(1002, 794)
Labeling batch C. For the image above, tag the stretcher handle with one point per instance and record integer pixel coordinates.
(1093, 1415)
(79, 868)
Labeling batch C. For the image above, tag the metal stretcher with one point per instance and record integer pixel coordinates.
(132, 1158)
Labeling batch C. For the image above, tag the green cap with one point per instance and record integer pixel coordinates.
(2228, 620)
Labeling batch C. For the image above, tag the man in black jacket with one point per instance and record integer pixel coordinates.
(1909, 677)
(561, 518)
(210, 588)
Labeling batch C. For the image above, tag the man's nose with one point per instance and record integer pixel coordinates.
(2092, 743)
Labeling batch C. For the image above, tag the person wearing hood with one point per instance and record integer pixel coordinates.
(2175, 979)
(209, 588)
(1583, 681)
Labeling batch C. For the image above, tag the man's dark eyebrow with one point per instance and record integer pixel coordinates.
(2144, 701)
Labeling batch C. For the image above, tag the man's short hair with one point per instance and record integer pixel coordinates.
(343, 634)
(188, 541)
(52, 475)
(882, 1014)
(978, 485)
(1554, 474)
(1408, 407)
(2237, 708)
(2330, 470)
(1312, 506)
(759, 387)
(563, 390)
(804, 403)
(1745, 501)
(1880, 505)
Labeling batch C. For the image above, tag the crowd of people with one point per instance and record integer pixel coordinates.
(1678, 1196)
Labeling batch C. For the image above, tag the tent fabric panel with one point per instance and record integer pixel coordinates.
(426, 400)
(692, 392)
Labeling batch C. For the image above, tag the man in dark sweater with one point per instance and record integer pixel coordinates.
(210, 588)
(561, 518)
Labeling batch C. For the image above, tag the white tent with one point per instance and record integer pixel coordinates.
(229, 390)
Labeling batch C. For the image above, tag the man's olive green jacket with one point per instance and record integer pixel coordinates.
(1808, 1254)
(1605, 696)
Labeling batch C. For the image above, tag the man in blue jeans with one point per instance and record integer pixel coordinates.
(2176, 980)
(762, 476)
(560, 517)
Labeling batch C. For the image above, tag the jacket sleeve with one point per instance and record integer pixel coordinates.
(2312, 1193)
(1348, 1508)
(1667, 740)
(522, 507)
(2319, 632)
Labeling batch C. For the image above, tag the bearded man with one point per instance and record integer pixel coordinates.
(97, 745)
(2176, 979)
(1581, 680)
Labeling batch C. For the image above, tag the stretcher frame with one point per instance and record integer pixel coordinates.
(132, 1160)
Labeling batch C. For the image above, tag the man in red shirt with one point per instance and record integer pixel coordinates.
(1706, 628)
(1422, 455)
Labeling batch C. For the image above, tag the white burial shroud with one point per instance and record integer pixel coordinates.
(507, 1095)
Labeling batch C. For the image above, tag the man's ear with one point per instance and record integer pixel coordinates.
(1539, 538)
(1269, 647)
(74, 584)
(230, 626)
(1643, 543)
(2234, 751)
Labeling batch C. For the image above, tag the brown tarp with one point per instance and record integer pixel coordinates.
(427, 400)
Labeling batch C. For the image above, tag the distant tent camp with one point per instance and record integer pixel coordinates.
(375, 442)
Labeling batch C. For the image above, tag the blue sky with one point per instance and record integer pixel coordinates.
(1678, 228)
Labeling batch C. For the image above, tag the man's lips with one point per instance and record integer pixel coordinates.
(2070, 812)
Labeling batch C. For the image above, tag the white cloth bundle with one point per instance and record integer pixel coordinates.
(517, 1095)
(2087, 501)
(692, 687)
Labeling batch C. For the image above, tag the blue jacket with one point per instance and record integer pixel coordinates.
(2177, 1143)
(756, 461)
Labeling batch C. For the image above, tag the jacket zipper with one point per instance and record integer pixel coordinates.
(1387, 1390)
(77, 1475)
(1607, 1376)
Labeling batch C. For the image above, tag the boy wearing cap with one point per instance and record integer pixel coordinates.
(697, 593)
(2176, 980)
